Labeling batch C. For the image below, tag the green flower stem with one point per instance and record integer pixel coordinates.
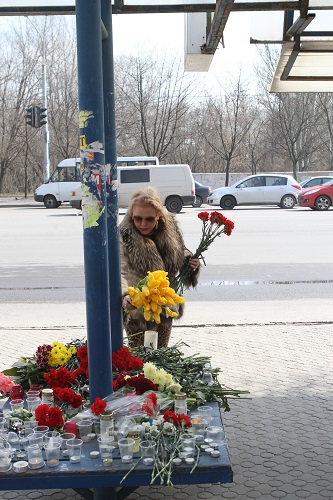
(131, 469)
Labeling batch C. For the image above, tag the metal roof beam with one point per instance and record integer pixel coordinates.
(299, 26)
(221, 15)
(120, 8)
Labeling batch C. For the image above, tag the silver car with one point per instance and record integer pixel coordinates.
(261, 189)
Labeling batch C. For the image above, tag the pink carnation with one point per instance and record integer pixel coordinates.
(5, 384)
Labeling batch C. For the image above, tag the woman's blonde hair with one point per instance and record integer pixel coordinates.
(147, 197)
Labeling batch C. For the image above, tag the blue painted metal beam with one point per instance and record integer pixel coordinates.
(111, 184)
(91, 105)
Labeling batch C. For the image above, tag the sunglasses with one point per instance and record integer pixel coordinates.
(138, 218)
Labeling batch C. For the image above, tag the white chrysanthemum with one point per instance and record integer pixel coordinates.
(175, 387)
(149, 371)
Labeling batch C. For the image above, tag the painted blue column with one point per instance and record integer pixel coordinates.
(91, 107)
(111, 184)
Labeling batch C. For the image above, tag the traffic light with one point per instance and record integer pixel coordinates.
(41, 116)
(31, 116)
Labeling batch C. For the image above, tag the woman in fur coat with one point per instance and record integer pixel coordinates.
(150, 240)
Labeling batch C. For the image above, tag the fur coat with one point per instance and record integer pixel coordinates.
(164, 250)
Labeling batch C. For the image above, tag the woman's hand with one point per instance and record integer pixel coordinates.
(194, 263)
(127, 303)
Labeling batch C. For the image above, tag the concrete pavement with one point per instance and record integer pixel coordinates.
(280, 440)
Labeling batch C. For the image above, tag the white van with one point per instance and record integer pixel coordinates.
(60, 184)
(174, 183)
(64, 179)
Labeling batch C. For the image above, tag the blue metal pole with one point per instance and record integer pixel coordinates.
(90, 74)
(111, 184)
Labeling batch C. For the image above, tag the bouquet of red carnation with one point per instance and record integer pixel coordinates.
(50, 416)
(214, 225)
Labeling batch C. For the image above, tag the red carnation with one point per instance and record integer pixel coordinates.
(184, 421)
(61, 377)
(98, 406)
(204, 216)
(170, 416)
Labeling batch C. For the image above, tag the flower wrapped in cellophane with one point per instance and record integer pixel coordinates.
(154, 294)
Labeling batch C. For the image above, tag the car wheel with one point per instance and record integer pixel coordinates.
(227, 202)
(174, 204)
(288, 201)
(198, 201)
(323, 203)
(50, 201)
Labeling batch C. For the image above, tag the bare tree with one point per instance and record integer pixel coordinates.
(159, 95)
(230, 118)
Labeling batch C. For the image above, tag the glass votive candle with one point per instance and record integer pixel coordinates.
(33, 394)
(205, 412)
(16, 404)
(74, 446)
(35, 457)
(126, 447)
(214, 434)
(105, 448)
(30, 424)
(84, 428)
(148, 449)
(52, 451)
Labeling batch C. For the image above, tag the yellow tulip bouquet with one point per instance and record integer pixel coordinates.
(154, 294)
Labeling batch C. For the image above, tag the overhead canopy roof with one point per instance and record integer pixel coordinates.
(306, 60)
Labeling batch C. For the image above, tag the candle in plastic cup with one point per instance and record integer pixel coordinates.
(64, 438)
(74, 447)
(35, 457)
(36, 438)
(205, 412)
(41, 428)
(150, 339)
(187, 442)
(105, 448)
(215, 434)
(16, 404)
(84, 428)
(126, 447)
(52, 451)
(148, 449)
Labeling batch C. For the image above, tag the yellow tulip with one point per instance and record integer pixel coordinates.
(171, 313)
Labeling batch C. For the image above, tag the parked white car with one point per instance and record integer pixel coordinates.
(260, 189)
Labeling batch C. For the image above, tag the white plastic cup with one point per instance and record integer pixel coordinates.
(52, 451)
(148, 450)
(74, 446)
(105, 448)
(126, 447)
(84, 428)
(215, 433)
(205, 412)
